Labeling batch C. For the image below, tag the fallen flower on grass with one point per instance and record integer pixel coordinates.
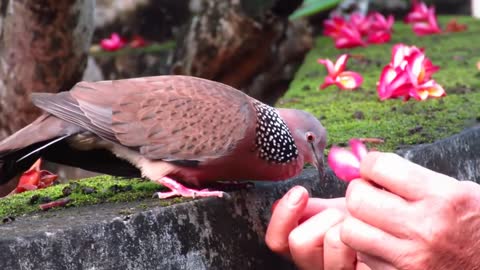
(113, 43)
(34, 178)
(332, 27)
(428, 27)
(346, 163)
(409, 74)
(418, 13)
(359, 30)
(347, 80)
(423, 19)
(454, 26)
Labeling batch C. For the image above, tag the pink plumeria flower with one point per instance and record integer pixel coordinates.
(347, 80)
(428, 89)
(428, 27)
(349, 37)
(420, 71)
(419, 13)
(379, 37)
(360, 22)
(378, 22)
(409, 74)
(401, 53)
(115, 42)
(394, 83)
(332, 27)
(359, 30)
(346, 164)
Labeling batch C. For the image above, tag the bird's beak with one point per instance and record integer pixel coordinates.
(318, 163)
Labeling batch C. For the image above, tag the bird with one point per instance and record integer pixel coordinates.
(182, 132)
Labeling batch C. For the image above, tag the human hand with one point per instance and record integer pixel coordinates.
(306, 230)
(408, 217)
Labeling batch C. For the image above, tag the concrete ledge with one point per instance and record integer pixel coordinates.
(203, 234)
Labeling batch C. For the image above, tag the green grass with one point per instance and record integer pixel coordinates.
(87, 191)
(398, 123)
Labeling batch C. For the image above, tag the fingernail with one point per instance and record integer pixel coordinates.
(295, 195)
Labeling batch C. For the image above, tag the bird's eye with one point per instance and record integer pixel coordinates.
(310, 137)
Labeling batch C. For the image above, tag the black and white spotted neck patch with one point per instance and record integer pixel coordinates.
(274, 142)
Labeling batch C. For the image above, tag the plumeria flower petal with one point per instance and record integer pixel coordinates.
(379, 37)
(115, 42)
(427, 27)
(428, 89)
(418, 13)
(327, 82)
(378, 22)
(409, 74)
(394, 83)
(35, 178)
(402, 52)
(328, 65)
(454, 26)
(333, 26)
(341, 63)
(349, 80)
(360, 22)
(338, 76)
(349, 37)
(346, 164)
(358, 148)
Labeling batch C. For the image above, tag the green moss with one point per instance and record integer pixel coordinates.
(88, 191)
(348, 114)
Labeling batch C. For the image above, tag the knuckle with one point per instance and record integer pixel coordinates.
(354, 199)
(296, 241)
(346, 231)
(332, 239)
(275, 245)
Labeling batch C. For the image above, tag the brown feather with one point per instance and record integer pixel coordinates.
(166, 117)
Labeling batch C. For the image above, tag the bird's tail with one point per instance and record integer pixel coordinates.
(20, 150)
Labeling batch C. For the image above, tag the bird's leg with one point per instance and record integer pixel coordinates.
(178, 189)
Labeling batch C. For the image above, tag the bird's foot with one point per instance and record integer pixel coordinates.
(178, 189)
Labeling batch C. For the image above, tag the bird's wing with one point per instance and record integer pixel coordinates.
(165, 117)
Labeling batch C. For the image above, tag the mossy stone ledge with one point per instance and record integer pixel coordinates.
(359, 113)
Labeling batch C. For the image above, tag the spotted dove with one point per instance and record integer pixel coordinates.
(164, 128)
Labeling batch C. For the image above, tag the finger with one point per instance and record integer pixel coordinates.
(370, 240)
(402, 177)
(306, 240)
(363, 266)
(373, 262)
(337, 255)
(317, 205)
(284, 219)
(378, 208)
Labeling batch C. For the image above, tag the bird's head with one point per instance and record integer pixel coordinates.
(309, 135)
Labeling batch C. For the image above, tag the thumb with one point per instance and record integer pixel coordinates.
(286, 214)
